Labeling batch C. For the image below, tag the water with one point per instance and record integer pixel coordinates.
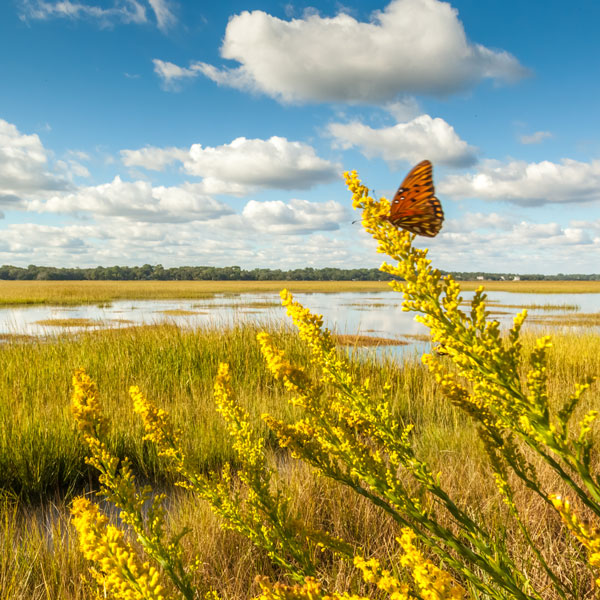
(368, 313)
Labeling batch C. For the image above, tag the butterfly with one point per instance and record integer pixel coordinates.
(414, 207)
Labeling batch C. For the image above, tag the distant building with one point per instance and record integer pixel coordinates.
(516, 278)
(479, 277)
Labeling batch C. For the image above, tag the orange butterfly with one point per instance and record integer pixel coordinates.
(414, 206)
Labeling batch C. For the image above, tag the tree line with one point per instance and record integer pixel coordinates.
(189, 273)
(158, 272)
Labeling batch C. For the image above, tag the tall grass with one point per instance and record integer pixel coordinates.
(41, 459)
(536, 287)
(40, 453)
(98, 292)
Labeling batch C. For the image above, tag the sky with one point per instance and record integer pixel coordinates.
(193, 133)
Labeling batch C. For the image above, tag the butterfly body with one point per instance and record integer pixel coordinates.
(414, 206)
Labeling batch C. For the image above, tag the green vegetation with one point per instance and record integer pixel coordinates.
(196, 273)
(159, 273)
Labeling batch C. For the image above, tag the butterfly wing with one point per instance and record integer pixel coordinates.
(415, 206)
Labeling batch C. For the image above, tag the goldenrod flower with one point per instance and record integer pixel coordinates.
(157, 426)
(118, 568)
(587, 534)
(85, 405)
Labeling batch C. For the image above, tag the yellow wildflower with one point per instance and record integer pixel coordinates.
(587, 534)
(157, 426)
(118, 568)
(85, 405)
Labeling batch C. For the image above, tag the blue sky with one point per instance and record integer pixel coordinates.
(193, 133)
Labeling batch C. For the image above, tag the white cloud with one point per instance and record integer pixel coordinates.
(152, 158)
(273, 163)
(535, 138)
(23, 166)
(43, 243)
(72, 168)
(404, 109)
(528, 184)
(423, 137)
(522, 247)
(113, 241)
(165, 18)
(475, 221)
(295, 216)
(171, 74)
(126, 11)
(108, 240)
(242, 165)
(78, 154)
(137, 201)
(412, 46)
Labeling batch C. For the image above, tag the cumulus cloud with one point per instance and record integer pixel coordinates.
(128, 11)
(138, 201)
(111, 241)
(404, 109)
(528, 184)
(273, 163)
(43, 244)
(23, 166)
(535, 138)
(295, 216)
(152, 158)
(519, 247)
(423, 137)
(412, 46)
(477, 221)
(242, 165)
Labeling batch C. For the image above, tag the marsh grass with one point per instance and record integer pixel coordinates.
(535, 287)
(358, 340)
(577, 320)
(180, 312)
(74, 322)
(41, 457)
(104, 292)
(544, 307)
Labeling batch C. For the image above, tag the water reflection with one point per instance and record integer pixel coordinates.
(372, 313)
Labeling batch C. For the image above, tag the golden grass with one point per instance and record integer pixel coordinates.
(546, 307)
(366, 340)
(576, 320)
(535, 287)
(73, 322)
(180, 312)
(98, 292)
(94, 292)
